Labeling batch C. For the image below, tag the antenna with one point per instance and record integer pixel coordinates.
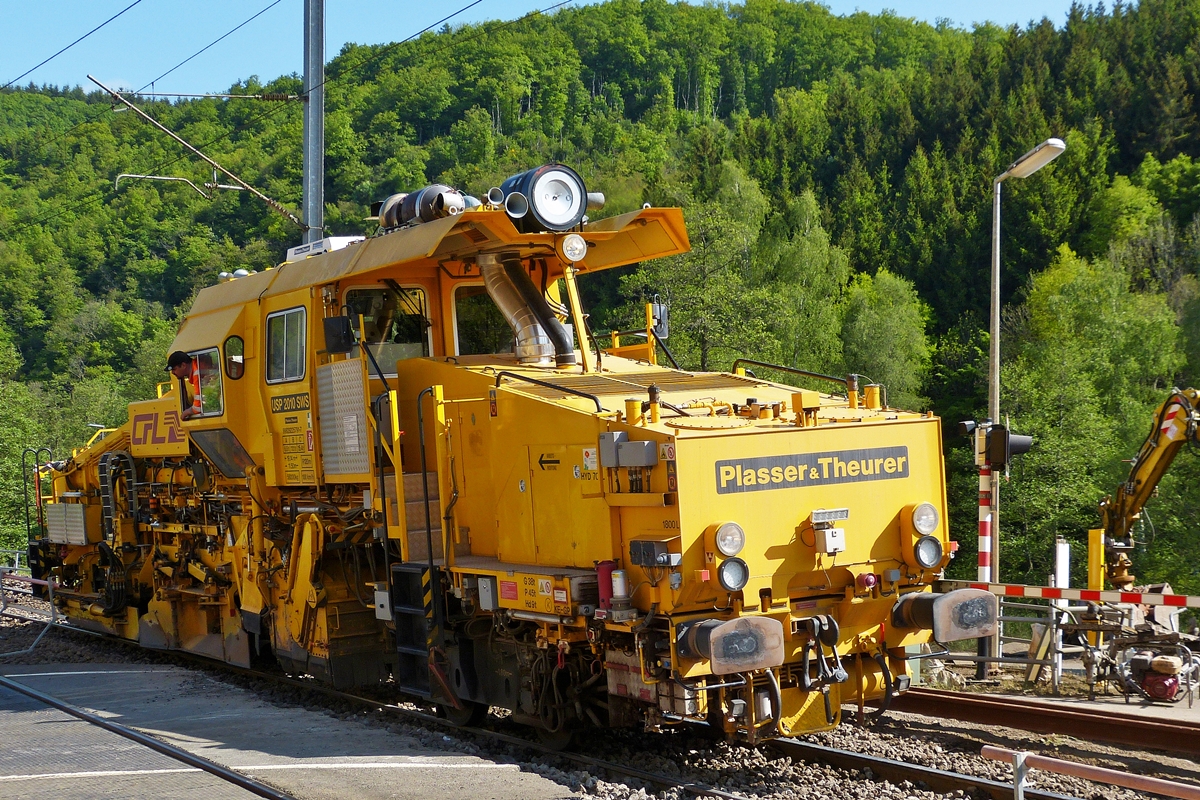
(275, 204)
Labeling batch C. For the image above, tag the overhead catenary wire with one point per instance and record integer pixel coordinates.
(81, 204)
(72, 44)
(268, 200)
(150, 83)
(214, 42)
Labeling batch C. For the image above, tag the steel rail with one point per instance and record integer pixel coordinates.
(899, 771)
(696, 789)
(1030, 715)
(884, 768)
(179, 754)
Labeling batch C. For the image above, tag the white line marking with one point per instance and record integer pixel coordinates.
(98, 774)
(261, 768)
(376, 765)
(86, 672)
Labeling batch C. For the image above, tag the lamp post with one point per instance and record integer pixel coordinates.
(1023, 167)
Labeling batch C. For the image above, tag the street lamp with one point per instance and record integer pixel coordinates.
(1023, 167)
(989, 529)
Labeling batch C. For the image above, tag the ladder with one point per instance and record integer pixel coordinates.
(413, 598)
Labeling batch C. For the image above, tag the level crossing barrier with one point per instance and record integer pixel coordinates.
(1078, 595)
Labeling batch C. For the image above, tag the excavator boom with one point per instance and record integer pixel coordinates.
(1175, 424)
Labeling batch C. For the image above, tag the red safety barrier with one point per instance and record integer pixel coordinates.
(1079, 595)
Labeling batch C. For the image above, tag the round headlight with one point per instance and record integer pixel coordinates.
(572, 248)
(928, 551)
(925, 519)
(730, 539)
(733, 574)
(556, 194)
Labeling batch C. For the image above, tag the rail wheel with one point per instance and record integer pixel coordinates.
(470, 715)
(556, 740)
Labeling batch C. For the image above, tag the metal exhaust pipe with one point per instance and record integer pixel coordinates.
(564, 348)
(495, 196)
(533, 345)
(517, 205)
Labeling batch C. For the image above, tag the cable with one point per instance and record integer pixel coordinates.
(86, 203)
(214, 42)
(394, 45)
(225, 35)
(72, 44)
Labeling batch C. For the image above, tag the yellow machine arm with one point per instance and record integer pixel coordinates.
(1174, 425)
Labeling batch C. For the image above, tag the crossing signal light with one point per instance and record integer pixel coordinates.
(1003, 445)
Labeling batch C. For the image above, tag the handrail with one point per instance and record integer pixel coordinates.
(663, 345)
(656, 337)
(802, 372)
(515, 376)
(37, 486)
(610, 334)
(100, 434)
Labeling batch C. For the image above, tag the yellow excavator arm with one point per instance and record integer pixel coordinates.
(1175, 424)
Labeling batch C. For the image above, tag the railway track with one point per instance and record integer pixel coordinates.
(876, 767)
(881, 768)
(899, 771)
(177, 753)
(1040, 717)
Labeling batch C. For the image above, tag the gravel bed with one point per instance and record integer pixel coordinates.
(685, 755)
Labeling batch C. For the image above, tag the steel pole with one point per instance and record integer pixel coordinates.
(994, 329)
(994, 394)
(314, 119)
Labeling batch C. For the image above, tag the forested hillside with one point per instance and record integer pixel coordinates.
(836, 173)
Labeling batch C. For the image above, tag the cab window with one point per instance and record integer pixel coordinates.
(235, 357)
(207, 364)
(285, 345)
(480, 328)
(395, 324)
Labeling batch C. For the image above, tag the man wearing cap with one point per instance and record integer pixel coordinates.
(180, 365)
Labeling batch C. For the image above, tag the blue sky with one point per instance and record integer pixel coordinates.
(155, 35)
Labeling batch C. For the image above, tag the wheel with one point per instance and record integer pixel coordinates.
(555, 740)
(470, 715)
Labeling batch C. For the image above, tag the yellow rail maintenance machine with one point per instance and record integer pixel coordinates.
(412, 465)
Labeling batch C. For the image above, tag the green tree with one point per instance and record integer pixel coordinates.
(883, 336)
(716, 314)
(1087, 360)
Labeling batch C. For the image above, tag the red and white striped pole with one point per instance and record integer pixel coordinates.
(985, 549)
(985, 523)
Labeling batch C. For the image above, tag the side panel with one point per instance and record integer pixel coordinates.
(343, 403)
(470, 442)
(155, 429)
(568, 530)
(514, 508)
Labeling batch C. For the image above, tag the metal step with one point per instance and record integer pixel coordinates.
(414, 488)
(413, 596)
